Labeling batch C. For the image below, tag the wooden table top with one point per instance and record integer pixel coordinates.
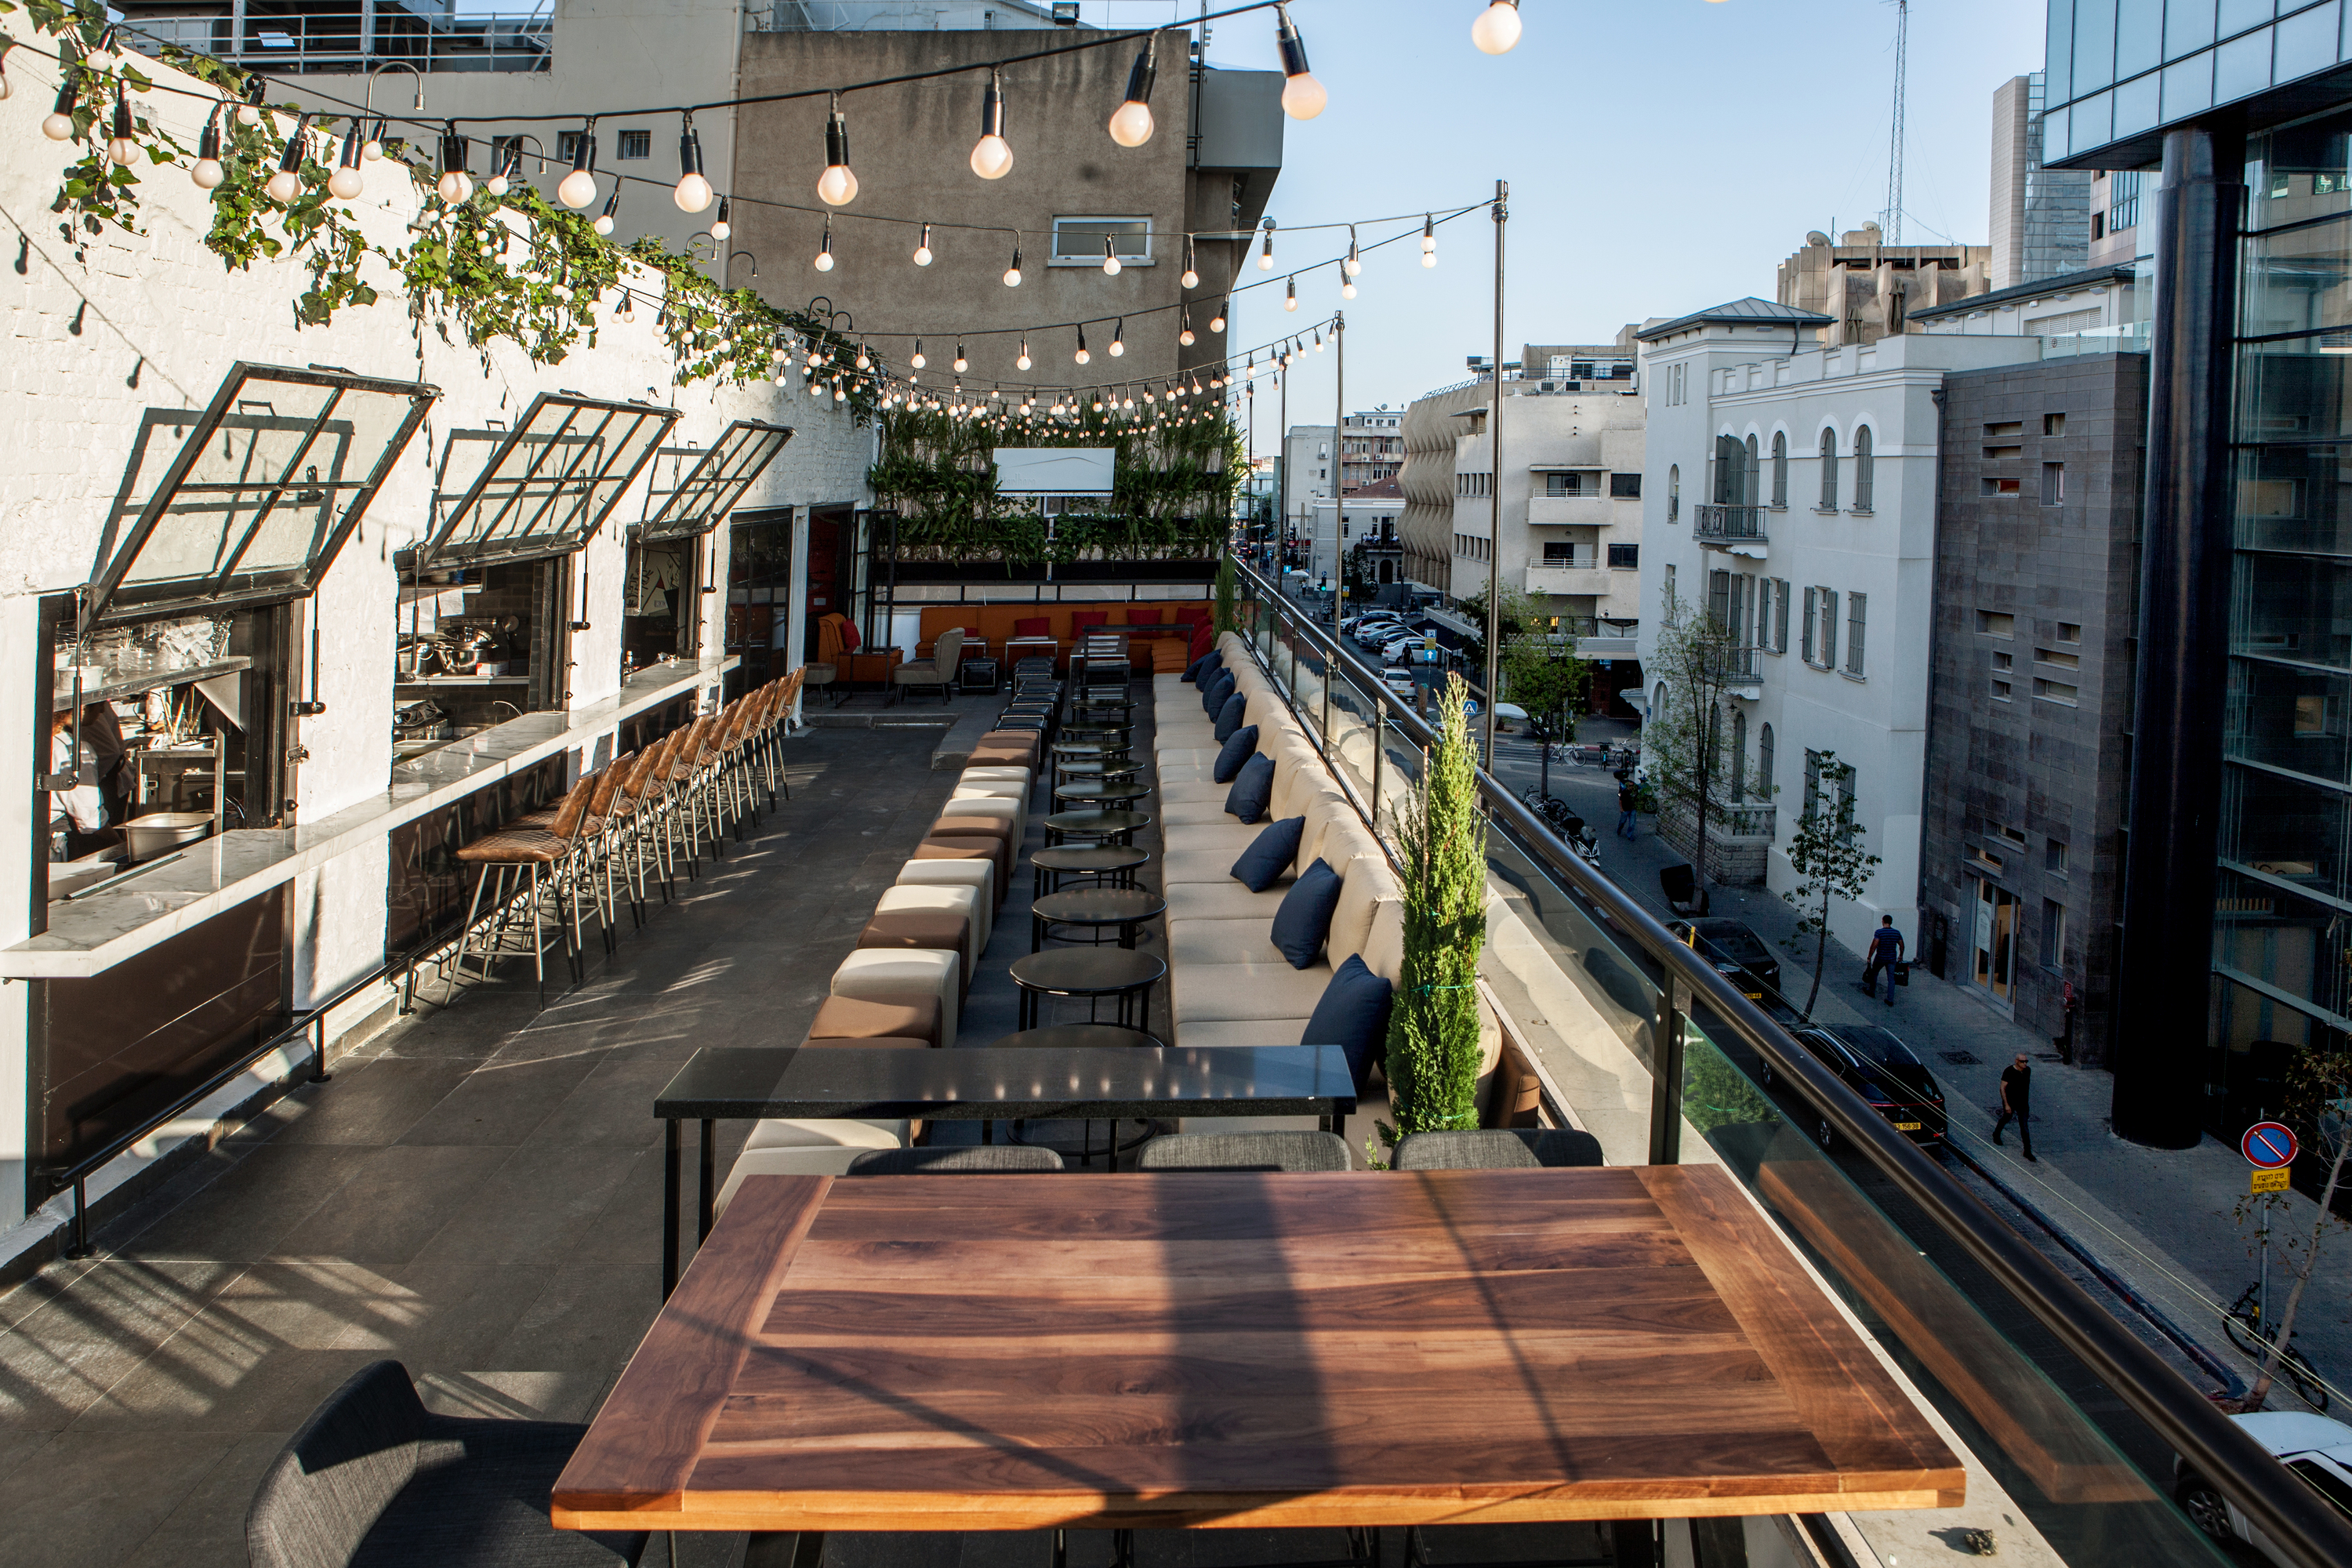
(1199, 1348)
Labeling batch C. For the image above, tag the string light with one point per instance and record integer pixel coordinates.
(207, 172)
(503, 177)
(1082, 356)
(1184, 335)
(961, 365)
(1117, 339)
(346, 183)
(456, 186)
(992, 155)
(823, 262)
(286, 182)
(1217, 321)
(1110, 258)
(865, 360)
(1130, 122)
(604, 224)
(923, 250)
(579, 187)
(692, 193)
(1496, 30)
(721, 228)
(374, 148)
(257, 86)
(123, 146)
(915, 359)
(1354, 266)
(1290, 297)
(1022, 363)
(836, 187)
(1192, 278)
(59, 125)
(1302, 96)
(1012, 273)
(1428, 240)
(1265, 255)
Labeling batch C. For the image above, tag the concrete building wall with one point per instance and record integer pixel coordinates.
(2029, 751)
(1065, 165)
(1586, 438)
(159, 311)
(1310, 474)
(1426, 524)
(1868, 288)
(2040, 216)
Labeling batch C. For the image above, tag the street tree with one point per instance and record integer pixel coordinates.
(1681, 744)
(1827, 856)
(1518, 616)
(1543, 676)
(2319, 1109)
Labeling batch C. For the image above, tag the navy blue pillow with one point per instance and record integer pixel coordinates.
(1230, 716)
(1202, 668)
(1219, 689)
(1353, 1016)
(1253, 790)
(1304, 920)
(1261, 865)
(1240, 746)
(1192, 670)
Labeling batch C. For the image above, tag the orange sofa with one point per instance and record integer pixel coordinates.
(1002, 623)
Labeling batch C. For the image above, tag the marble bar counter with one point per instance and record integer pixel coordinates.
(92, 934)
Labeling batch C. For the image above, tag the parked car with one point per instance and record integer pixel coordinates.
(1398, 681)
(1510, 719)
(1736, 951)
(1881, 1068)
(2316, 1450)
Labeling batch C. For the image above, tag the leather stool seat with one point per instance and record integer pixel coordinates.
(854, 1018)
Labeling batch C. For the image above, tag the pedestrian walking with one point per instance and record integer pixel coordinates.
(2017, 1103)
(2065, 1042)
(1629, 800)
(1886, 953)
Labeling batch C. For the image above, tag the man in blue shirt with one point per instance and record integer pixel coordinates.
(1886, 953)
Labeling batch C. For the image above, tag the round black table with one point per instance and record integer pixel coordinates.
(1111, 865)
(1095, 826)
(1073, 1036)
(1095, 907)
(1100, 790)
(1095, 973)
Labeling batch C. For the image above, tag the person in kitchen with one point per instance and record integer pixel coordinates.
(83, 806)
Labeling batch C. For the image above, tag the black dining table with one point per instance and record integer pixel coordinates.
(1071, 1084)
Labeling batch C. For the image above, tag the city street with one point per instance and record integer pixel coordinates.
(2112, 1199)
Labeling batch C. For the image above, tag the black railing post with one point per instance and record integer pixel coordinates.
(1666, 1077)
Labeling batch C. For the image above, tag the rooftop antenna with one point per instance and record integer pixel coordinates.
(1894, 217)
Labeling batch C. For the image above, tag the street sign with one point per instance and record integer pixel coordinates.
(2269, 1181)
(2269, 1145)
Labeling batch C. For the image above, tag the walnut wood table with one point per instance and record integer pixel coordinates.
(1205, 1350)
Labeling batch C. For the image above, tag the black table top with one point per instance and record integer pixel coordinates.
(1099, 906)
(1100, 789)
(1087, 971)
(731, 1082)
(1067, 1037)
(1090, 857)
(1098, 821)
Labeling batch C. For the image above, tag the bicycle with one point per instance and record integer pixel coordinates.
(2243, 1323)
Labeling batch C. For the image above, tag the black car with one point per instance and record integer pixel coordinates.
(1736, 951)
(1881, 1068)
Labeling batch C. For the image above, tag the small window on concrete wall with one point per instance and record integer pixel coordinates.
(1079, 240)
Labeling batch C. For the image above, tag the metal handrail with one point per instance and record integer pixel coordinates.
(2302, 1525)
(1713, 521)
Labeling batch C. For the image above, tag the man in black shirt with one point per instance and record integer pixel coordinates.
(2017, 1100)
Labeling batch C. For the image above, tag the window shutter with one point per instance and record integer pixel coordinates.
(1856, 603)
(1813, 596)
(1780, 635)
(1828, 629)
(1828, 472)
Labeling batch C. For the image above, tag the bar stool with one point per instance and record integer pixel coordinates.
(546, 860)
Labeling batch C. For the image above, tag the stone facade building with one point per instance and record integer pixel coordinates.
(1868, 289)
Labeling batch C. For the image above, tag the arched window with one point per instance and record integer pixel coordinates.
(1862, 468)
(1753, 492)
(1828, 470)
(1674, 492)
(1764, 763)
(1780, 469)
(1658, 702)
(1738, 756)
(1731, 464)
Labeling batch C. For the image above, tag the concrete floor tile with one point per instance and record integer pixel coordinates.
(400, 1198)
(590, 1316)
(222, 1379)
(369, 1103)
(88, 1500)
(613, 1107)
(536, 1207)
(207, 1528)
(62, 1360)
(241, 1214)
(498, 1104)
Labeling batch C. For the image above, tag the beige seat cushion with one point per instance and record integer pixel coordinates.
(892, 974)
(980, 874)
(1248, 940)
(971, 789)
(811, 1160)
(798, 1132)
(1211, 1032)
(1225, 900)
(964, 804)
(1269, 990)
(961, 902)
(1366, 883)
(1383, 951)
(1185, 792)
(1001, 773)
(1175, 776)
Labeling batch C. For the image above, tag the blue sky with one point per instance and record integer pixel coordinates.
(1662, 155)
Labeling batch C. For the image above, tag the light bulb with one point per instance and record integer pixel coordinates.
(207, 173)
(824, 248)
(1290, 298)
(374, 148)
(1022, 363)
(346, 183)
(578, 189)
(992, 155)
(1191, 280)
(1217, 322)
(1302, 96)
(1266, 252)
(836, 187)
(1429, 258)
(865, 362)
(915, 359)
(456, 187)
(721, 228)
(604, 224)
(1110, 258)
(1117, 347)
(100, 59)
(1130, 124)
(1428, 235)
(961, 363)
(284, 187)
(1496, 28)
(1012, 273)
(59, 125)
(248, 114)
(692, 193)
(923, 250)
(1348, 289)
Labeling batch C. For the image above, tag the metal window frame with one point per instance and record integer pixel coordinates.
(102, 608)
(684, 515)
(533, 546)
(1056, 256)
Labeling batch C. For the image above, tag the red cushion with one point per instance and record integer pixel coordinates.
(1081, 619)
(1204, 637)
(849, 638)
(1194, 615)
(1034, 627)
(1142, 615)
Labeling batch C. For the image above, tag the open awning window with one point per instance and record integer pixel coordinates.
(248, 500)
(551, 482)
(709, 492)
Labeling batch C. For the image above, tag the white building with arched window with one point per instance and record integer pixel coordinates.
(1793, 497)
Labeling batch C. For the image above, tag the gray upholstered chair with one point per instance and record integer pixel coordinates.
(1497, 1149)
(373, 1480)
(940, 669)
(967, 1158)
(1277, 1150)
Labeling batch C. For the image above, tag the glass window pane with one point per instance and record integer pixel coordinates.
(2136, 104)
(2284, 829)
(2095, 44)
(2294, 497)
(2292, 608)
(2304, 171)
(2237, 15)
(2306, 41)
(2241, 65)
(2139, 37)
(710, 491)
(553, 480)
(1082, 237)
(2294, 390)
(2299, 281)
(278, 468)
(2060, 53)
(2188, 24)
(2189, 87)
(2287, 717)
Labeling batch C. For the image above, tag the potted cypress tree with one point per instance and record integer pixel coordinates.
(1432, 1045)
(1226, 620)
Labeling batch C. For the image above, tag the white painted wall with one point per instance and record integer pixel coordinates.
(1737, 386)
(162, 303)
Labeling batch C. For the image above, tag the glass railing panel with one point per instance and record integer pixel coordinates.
(1355, 721)
(2095, 1491)
(1620, 982)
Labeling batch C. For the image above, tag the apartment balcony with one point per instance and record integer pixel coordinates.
(1739, 670)
(340, 36)
(1580, 511)
(1747, 819)
(1575, 575)
(1741, 529)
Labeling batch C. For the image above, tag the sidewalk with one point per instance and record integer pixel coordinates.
(2114, 1198)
